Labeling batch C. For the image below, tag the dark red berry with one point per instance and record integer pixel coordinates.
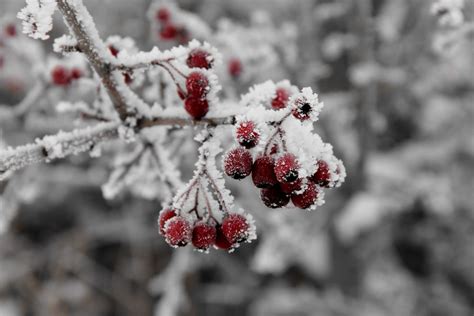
(238, 163)
(197, 84)
(281, 99)
(263, 174)
(235, 228)
(221, 240)
(163, 15)
(10, 30)
(247, 134)
(204, 235)
(178, 231)
(114, 51)
(286, 168)
(76, 73)
(302, 110)
(127, 78)
(235, 67)
(308, 197)
(164, 216)
(60, 76)
(322, 176)
(196, 107)
(274, 197)
(291, 187)
(199, 58)
(168, 32)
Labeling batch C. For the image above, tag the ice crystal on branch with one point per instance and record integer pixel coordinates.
(37, 18)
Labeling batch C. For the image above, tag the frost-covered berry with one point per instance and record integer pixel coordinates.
(178, 231)
(274, 197)
(302, 110)
(196, 107)
(76, 73)
(322, 176)
(238, 163)
(164, 216)
(281, 99)
(163, 15)
(113, 50)
(247, 134)
(291, 187)
(60, 76)
(263, 174)
(197, 84)
(308, 197)
(221, 240)
(10, 30)
(235, 228)
(204, 235)
(168, 32)
(286, 168)
(235, 67)
(199, 58)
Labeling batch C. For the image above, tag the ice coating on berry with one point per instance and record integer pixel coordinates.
(286, 168)
(197, 84)
(199, 58)
(204, 235)
(164, 216)
(305, 105)
(238, 163)
(247, 134)
(322, 175)
(280, 100)
(235, 228)
(178, 231)
(309, 198)
(263, 174)
(274, 197)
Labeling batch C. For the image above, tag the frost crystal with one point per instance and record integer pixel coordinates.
(37, 18)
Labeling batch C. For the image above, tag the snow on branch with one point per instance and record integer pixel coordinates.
(37, 18)
(56, 146)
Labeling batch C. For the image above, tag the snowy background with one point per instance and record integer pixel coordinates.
(397, 81)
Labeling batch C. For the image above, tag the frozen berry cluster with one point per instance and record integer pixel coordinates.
(203, 234)
(285, 160)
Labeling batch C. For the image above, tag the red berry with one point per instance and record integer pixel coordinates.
(76, 73)
(302, 110)
(235, 67)
(290, 187)
(178, 231)
(163, 15)
(322, 176)
(114, 51)
(221, 240)
(196, 107)
(127, 78)
(168, 32)
(60, 76)
(197, 84)
(204, 235)
(235, 228)
(199, 58)
(247, 134)
(164, 216)
(263, 174)
(274, 197)
(238, 163)
(281, 99)
(308, 197)
(286, 168)
(10, 30)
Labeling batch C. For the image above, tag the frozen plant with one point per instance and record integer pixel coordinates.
(272, 126)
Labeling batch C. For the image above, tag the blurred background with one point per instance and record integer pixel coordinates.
(397, 81)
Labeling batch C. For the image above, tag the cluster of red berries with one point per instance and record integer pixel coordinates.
(276, 171)
(169, 29)
(180, 231)
(63, 76)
